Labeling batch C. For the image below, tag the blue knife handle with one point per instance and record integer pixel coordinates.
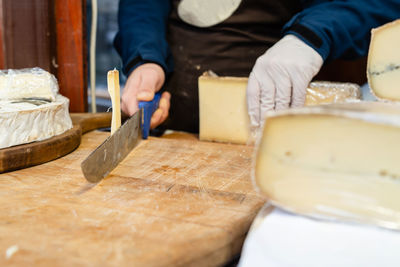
(149, 107)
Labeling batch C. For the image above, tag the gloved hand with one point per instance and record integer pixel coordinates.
(280, 77)
(142, 84)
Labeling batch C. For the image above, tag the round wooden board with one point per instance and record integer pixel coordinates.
(26, 155)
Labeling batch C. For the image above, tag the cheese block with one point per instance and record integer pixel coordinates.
(27, 83)
(319, 93)
(27, 120)
(223, 108)
(338, 161)
(383, 67)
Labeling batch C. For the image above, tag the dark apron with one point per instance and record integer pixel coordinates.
(229, 48)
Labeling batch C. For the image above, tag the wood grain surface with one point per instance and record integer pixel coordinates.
(26, 155)
(171, 202)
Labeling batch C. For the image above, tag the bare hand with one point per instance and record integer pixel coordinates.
(141, 85)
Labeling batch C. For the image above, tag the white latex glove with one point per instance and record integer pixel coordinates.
(280, 77)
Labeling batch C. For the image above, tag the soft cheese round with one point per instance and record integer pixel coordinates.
(25, 83)
(28, 120)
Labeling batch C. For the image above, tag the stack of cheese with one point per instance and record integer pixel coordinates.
(223, 109)
(30, 107)
(340, 161)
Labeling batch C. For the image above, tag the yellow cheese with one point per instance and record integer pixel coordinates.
(223, 108)
(339, 161)
(383, 68)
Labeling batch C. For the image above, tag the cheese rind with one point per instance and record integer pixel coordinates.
(383, 67)
(27, 83)
(335, 161)
(223, 107)
(25, 121)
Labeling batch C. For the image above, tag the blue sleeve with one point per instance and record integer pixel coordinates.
(341, 28)
(142, 34)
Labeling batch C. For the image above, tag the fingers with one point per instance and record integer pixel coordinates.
(253, 93)
(299, 92)
(268, 92)
(129, 104)
(161, 114)
(152, 78)
(283, 91)
(280, 77)
(141, 85)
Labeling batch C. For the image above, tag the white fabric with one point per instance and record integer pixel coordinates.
(206, 13)
(280, 77)
(283, 239)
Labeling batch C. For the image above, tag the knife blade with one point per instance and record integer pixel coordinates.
(117, 146)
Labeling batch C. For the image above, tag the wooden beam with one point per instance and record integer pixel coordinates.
(70, 21)
(2, 50)
(26, 34)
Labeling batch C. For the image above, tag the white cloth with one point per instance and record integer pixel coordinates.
(206, 13)
(283, 239)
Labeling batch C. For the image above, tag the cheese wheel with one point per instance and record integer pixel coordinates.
(27, 83)
(338, 161)
(25, 121)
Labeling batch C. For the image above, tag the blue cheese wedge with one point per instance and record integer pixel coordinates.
(32, 119)
(383, 68)
(338, 161)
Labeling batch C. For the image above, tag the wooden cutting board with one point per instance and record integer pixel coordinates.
(171, 202)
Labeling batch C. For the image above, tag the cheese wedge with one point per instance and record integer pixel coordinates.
(338, 161)
(27, 83)
(383, 67)
(25, 121)
(223, 108)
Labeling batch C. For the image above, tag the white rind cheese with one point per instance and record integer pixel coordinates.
(223, 108)
(27, 83)
(383, 68)
(337, 161)
(25, 121)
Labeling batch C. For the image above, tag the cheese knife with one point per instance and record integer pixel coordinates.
(118, 145)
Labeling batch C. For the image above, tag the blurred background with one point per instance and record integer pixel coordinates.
(106, 56)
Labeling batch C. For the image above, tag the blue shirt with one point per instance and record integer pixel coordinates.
(335, 29)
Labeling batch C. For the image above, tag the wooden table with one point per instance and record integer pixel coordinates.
(171, 202)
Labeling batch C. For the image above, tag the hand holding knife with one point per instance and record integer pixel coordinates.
(122, 140)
